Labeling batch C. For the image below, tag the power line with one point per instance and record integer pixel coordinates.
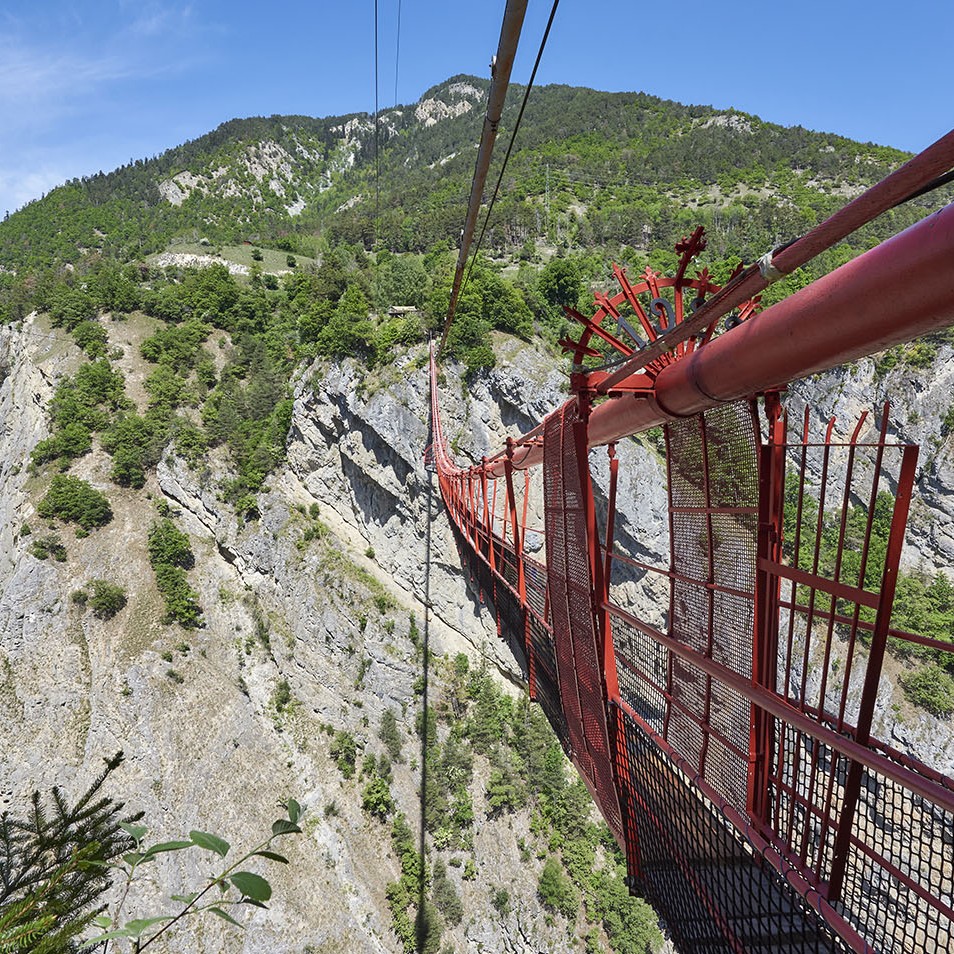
(377, 165)
(420, 925)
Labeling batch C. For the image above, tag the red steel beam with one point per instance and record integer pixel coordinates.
(898, 291)
(500, 80)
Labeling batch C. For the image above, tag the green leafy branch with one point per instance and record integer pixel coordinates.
(250, 888)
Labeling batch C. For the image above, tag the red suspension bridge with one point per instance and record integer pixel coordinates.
(727, 735)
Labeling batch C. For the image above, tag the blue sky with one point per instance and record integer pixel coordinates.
(87, 86)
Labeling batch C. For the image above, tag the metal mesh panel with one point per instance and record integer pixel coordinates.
(898, 878)
(504, 603)
(511, 623)
(734, 556)
(902, 854)
(808, 798)
(883, 853)
(558, 573)
(687, 712)
(536, 584)
(691, 621)
(568, 554)
(730, 441)
(686, 463)
(545, 677)
(714, 890)
(713, 479)
(642, 667)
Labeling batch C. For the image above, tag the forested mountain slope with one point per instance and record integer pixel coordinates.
(213, 501)
(590, 169)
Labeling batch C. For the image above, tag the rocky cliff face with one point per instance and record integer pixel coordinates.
(320, 601)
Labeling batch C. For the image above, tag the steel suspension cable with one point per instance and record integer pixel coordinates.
(397, 53)
(377, 166)
(513, 138)
(500, 70)
(419, 924)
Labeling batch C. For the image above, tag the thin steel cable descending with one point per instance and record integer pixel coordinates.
(397, 53)
(513, 138)
(377, 146)
(377, 165)
(501, 67)
(420, 927)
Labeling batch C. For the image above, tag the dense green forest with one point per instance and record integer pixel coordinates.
(594, 178)
(590, 170)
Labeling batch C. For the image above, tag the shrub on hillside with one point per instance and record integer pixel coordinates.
(376, 798)
(70, 306)
(48, 546)
(96, 391)
(344, 751)
(106, 599)
(446, 898)
(390, 735)
(556, 890)
(92, 337)
(135, 443)
(182, 602)
(75, 501)
(170, 556)
(169, 546)
(931, 688)
(70, 442)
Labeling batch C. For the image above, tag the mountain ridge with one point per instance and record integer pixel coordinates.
(582, 159)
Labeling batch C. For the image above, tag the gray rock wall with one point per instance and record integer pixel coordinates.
(214, 752)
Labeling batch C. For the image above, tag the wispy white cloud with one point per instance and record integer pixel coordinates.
(150, 20)
(31, 76)
(76, 77)
(153, 20)
(68, 65)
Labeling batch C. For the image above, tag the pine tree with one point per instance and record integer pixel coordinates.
(53, 866)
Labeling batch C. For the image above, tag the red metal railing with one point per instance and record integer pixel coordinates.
(739, 690)
(729, 735)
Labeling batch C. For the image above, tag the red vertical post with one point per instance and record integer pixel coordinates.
(471, 522)
(526, 502)
(603, 751)
(493, 517)
(503, 531)
(606, 624)
(488, 526)
(517, 529)
(598, 591)
(879, 644)
(527, 641)
(765, 635)
(668, 694)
